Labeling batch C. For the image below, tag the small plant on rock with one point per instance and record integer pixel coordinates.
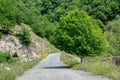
(24, 36)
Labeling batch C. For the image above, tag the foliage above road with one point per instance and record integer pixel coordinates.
(44, 15)
(78, 33)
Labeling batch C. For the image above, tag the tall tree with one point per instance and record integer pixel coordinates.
(77, 33)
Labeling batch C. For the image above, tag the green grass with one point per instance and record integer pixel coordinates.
(94, 65)
(68, 60)
(16, 69)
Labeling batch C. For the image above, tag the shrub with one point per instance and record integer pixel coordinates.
(24, 36)
(5, 57)
(6, 29)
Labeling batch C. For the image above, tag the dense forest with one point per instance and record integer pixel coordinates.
(44, 16)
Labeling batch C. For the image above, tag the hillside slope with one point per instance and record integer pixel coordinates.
(12, 44)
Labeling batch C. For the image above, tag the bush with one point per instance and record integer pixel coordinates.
(24, 36)
(5, 57)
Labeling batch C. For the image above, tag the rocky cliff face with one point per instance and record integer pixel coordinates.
(12, 44)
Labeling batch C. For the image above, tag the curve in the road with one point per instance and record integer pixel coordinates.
(53, 69)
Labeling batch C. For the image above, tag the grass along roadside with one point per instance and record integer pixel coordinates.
(9, 71)
(11, 68)
(93, 65)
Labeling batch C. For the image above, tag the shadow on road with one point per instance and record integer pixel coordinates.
(57, 67)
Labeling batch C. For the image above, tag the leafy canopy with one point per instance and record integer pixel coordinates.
(78, 33)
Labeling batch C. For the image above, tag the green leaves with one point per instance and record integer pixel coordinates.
(7, 15)
(42, 27)
(24, 36)
(113, 36)
(5, 57)
(79, 34)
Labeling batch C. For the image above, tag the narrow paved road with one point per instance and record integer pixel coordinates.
(53, 69)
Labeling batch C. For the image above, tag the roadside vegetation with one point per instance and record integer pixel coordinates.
(93, 65)
(10, 67)
(79, 27)
(113, 36)
(24, 37)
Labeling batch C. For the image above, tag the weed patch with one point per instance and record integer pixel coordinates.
(13, 70)
(95, 66)
(10, 67)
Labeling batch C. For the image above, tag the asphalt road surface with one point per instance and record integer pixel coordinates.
(53, 69)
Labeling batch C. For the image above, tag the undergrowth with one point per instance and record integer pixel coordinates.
(95, 66)
(10, 67)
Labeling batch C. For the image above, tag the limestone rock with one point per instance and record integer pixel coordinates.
(12, 44)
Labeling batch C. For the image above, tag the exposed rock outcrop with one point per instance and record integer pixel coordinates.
(12, 44)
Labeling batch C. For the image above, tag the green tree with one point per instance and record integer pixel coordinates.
(101, 25)
(43, 27)
(114, 9)
(7, 15)
(77, 33)
(113, 36)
